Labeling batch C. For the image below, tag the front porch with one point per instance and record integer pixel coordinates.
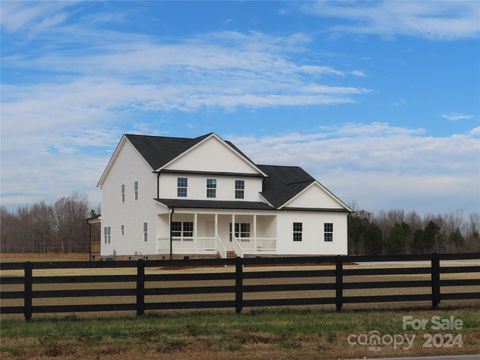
(214, 233)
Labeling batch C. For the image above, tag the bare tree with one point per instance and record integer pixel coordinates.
(43, 222)
(70, 214)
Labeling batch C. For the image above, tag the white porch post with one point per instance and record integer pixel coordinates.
(233, 227)
(255, 232)
(157, 234)
(216, 226)
(195, 241)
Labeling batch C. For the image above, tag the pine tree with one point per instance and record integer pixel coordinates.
(431, 237)
(398, 239)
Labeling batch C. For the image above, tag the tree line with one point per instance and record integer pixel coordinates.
(62, 227)
(44, 228)
(398, 232)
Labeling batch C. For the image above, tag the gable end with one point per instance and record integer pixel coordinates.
(178, 163)
(314, 196)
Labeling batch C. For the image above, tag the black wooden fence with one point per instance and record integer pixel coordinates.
(238, 288)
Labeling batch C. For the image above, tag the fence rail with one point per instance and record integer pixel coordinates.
(340, 283)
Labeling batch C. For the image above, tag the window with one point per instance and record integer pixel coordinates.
(123, 192)
(135, 188)
(211, 188)
(176, 229)
(145, 231)
(297, 231)
(328, 232)
(239, 189)
(122, 229)
(245, 230)
(182, 184)
(182, 230)
(242, 231)
(107, 234)
(187, 230)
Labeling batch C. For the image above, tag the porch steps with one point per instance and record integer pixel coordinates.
(231, 254)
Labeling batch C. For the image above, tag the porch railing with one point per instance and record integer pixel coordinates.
(266, 244)
(257, 245)
(220, 247)
(237, 246)
(211, 244)
(207, 243)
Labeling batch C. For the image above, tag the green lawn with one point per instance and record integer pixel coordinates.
(276, 334)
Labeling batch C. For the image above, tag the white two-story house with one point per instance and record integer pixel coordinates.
(203, 196)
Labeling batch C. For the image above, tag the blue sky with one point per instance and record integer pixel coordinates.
(378, 100)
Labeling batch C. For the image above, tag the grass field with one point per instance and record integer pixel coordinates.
(313, 332)
(16, 257)
(280, 334)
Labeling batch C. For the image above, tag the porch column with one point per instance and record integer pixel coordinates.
(255, 232)
(233, 227)
(216, 226)
(195, 242)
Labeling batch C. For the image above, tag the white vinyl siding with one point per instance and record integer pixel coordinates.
(196, 190)
(128, 168)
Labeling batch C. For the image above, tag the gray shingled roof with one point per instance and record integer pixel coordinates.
(215, 204)
(159, 150)
(283, 182)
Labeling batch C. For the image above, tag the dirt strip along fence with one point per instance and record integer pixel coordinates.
(234, 272)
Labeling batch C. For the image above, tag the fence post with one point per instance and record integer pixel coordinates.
(140, 291)
(27, 291)
(338, 282)
(238, 285)
(435, 280)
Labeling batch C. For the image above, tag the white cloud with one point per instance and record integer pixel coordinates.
(457, 116)
(359, 73)
(47, 165)
(33, 17)
(58, 135)
(428, 19)
(252, 53)
(376, 164)
(381, 166)
(247, 70)
(112, 76)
